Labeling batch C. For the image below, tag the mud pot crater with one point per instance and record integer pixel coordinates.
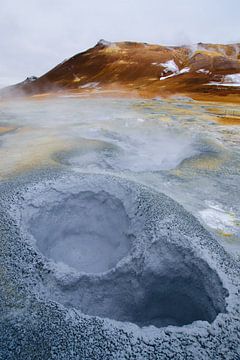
(90, 154)
(88, 231)
(121, 251)
(171, 287)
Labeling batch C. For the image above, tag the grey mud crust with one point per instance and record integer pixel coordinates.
(99, 267)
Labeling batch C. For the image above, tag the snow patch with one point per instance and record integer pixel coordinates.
(184, 70)
(170, 65)
(203, 71)
(180, 72)
(233, 78)
(214, 83)
(90, 85)
(228, 80)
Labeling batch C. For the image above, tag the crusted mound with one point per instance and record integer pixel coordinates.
(171, 272)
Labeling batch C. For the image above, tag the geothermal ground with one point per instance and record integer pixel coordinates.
(120, 229)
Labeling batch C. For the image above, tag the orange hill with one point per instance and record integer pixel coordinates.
(200, 71)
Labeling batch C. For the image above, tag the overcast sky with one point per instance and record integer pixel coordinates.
(35, 35)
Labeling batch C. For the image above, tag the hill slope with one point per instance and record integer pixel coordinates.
(199, 71)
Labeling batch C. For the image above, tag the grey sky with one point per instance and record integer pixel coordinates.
(35, 35)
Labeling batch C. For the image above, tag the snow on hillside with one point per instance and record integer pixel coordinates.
(228, 80)
(172, 66)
